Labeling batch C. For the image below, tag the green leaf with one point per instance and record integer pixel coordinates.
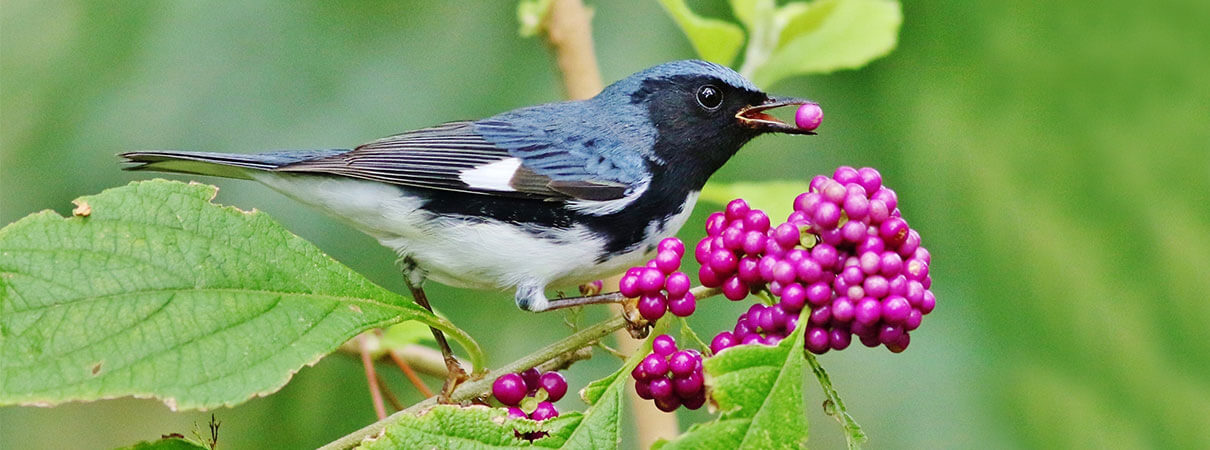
(775, 198)
(531, 14)
(481, 427)
(173, 443)
(758, 390)
(448, 426)
(714, 40)
(403, 334)
(834, 406)
(748, 10)
(151, 290)
(831, 35)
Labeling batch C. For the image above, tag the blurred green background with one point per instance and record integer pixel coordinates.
(1054, 156)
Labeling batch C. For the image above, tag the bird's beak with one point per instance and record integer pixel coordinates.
(754, 116)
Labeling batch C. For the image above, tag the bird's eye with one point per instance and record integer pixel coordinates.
(709, 97)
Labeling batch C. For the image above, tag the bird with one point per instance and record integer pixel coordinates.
(554, 194)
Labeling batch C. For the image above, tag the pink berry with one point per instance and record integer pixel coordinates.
(516, 413)
(629, 286)
(650, 281)
(683, 306)
(756, 220)
(808, 116)
(509, 389)
(544, 410)
(737, 209)
(672, 244)
(652, 306)
(735, 289)
(845, 175)
(667, 261)
(663, 345)
(677, 284)
(554, 384)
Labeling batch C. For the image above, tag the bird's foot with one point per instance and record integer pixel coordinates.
(454, 376)
(636, 324)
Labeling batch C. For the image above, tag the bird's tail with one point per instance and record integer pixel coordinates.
(228, 165)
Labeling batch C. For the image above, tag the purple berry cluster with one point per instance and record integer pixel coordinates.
(845, 253)
(760, 325)
(530, 390)
(671, 377)
(730, 252)
(659, 285)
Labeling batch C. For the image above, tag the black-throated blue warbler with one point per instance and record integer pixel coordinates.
(552, 194)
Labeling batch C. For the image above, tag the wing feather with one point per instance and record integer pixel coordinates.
(439, 157)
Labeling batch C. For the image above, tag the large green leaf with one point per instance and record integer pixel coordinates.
(151, 290)
(831, 35)
(714, 40)
(758, 390)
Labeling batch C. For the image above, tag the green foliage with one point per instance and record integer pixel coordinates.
(758, 391)
(797, 38)
(714, 40)
(448, 426)
(774, 197)
(830, 35)
(153, 291)
(530, 14)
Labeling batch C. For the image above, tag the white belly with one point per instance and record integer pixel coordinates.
(465, 253)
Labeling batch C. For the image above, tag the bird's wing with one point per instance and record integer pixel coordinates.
(456, 157)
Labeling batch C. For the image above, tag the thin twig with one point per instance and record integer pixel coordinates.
(367, 362)
(411, 374)
(386, 392)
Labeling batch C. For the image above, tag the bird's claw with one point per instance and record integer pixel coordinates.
(636, 325)
(454, 376)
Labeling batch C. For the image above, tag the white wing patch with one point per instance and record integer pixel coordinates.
(493, 176)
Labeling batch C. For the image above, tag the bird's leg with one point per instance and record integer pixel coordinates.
(531, 298)
(454, 372)
(560, 303)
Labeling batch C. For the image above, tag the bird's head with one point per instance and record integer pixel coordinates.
(702, 112)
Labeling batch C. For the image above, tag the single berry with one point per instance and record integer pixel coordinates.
(652, 307)
(668, 404)
(661, 388)
(672, 244)
(650, 281)
(683, 306)
(554, 384)
(509, 389)
(654, 365)
(677, 284)
(531, 377)
(695, 402)
(517, 413)
(545, 410)
(681, 364)
(808, 116)
(689, 385)
(722, 341)
(663, 345)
